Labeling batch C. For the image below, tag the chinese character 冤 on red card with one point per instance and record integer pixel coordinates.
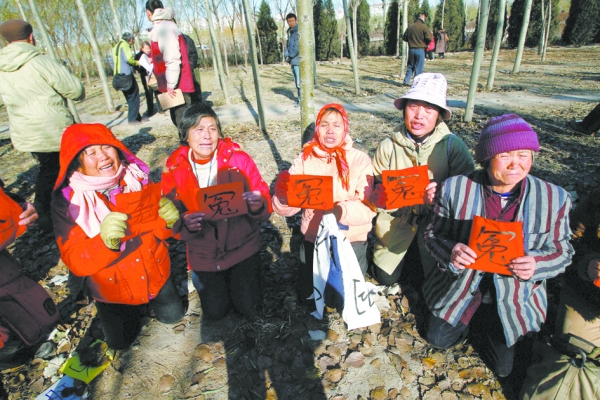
(222, 201)
(9, 220)
(142, 209)
(496, 244)
(311, 191)
(405, 187)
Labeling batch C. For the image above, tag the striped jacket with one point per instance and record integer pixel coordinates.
(544, 211)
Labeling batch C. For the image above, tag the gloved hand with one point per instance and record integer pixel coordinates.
(379, 197)
(168, 212)
(281, 186)
(112, 229)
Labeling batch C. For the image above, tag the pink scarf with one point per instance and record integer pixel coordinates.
(86, 208)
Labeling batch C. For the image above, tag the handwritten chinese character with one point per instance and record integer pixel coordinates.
(363, 297)
(219, 203)
(306, 191)
(488, 242)
(404, 187)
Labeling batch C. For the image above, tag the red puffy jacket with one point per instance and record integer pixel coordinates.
(133, 275)
(224, 243)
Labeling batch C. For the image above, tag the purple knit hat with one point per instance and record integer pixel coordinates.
(508, 132)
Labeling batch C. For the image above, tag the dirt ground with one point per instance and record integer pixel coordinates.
(287, 353)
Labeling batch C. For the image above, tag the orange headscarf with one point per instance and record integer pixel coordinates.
(339, 153)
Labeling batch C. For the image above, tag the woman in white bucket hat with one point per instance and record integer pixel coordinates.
(424, 139)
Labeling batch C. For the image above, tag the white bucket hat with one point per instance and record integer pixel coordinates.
(429, 87)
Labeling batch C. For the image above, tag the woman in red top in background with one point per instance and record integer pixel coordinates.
(121, 275)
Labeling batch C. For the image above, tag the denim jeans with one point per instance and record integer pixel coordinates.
(121, 322)
(416, 62)
(487, 326)
(238, 286)
(296, 73)
(132, 96)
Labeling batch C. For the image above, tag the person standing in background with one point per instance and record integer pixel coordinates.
(34, 88)
(418, 36)
(292, 50)
(146, 61)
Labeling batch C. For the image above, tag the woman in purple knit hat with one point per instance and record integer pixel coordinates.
(498, 309)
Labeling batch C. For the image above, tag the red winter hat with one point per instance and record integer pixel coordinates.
(79, 136)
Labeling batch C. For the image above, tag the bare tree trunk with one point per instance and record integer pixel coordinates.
(443, 10)
(88, 81)
(259, 46)
(342, 40)
(478, 56)
(522, 36)
(351, 48)
(404, 44)
(354, 26)
(384, 18)
(547, 30)
(216, 52)
(225, 53)
(117, 23)
(21, 10)
(215, 67)
(51, 52)
(497, 43)
(542, 31)
(398, 29)
(307, 106)
(255, 70)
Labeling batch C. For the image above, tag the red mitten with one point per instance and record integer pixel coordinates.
(379, 197)
(281, 186)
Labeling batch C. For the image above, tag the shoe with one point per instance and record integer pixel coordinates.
(144, 120)
(576, 127)
(135, 122)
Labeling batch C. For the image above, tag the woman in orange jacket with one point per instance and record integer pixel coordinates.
(122, 275)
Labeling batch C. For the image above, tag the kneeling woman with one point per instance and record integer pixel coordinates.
(498, 309)
(331, 153)
(121, 275)
(222, 254)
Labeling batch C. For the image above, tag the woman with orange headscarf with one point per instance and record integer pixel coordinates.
(331, 153)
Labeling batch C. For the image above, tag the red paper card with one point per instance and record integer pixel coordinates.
(405, 187)
(311, 191)
(141, 207)
(496, 243)
(9, 220)
(222, 201)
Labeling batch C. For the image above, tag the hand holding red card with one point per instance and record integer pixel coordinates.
(9, 220)
(141, 208)
(496, 244)
(310, 191)
(405, 187)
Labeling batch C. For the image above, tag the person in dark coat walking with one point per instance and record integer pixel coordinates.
(292, 49)
(145, 52)
(418, 36)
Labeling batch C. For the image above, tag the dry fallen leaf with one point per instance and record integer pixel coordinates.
(165, 383)
(355, 359)
(428, 362)
(203, 351)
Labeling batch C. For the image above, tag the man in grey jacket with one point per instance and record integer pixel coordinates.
(34, 89)
(292, 49)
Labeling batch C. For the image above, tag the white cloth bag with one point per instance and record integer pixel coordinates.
(360, 309)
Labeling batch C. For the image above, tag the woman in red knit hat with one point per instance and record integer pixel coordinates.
(121, 274)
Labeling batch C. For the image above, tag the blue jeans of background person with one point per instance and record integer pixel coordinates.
(238, 286)
(132, 96)
(296, 73)
(416, 62)
(487, 326)
(121, 323)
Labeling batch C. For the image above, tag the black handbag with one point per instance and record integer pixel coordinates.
(122, 81)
